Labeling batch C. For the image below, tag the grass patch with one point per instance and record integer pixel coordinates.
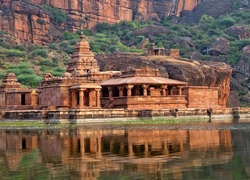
(158, 120)
(32, 125)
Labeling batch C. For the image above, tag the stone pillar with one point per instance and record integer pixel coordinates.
(151, 89)
(90, 97)
(171, 91)
(145, 90)
(122, 146)
(81, 98)
(82, 146)
(73, 99)
(110, 93)
(121, 88)
(180, 90)
(130, 150)
(99, 147)
(146, 149)
(98, 98)
(164, 90)
(129, 87)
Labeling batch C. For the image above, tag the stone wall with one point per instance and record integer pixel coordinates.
(201, 96)
(106, 115)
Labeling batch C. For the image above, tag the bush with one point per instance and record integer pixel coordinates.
(40, 21)
(206, 19)
(15, 53)
(239, 44)
(53, 46)
(21, 68)
(45, 62)
(57, 15)
(227, 22)
(30, 80)
(70, 36)
(20, 47)
(40, 52)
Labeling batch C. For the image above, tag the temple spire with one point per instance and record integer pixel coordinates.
(82, 60)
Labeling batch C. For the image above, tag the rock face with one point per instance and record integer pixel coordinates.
(202, 73)
(239, 32)
(209, 7)
(29, 21)
(219, 46)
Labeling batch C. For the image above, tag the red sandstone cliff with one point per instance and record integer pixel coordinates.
(20, 18)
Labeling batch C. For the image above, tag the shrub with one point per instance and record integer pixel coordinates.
(40, 52)
(70, 36)
(20, 47)
(227, 22)
(40, 21)
(30, 80)
(206, 19)
(53, 46)
(45, 62)
(57, 15)
(15, 53)
(239, 44)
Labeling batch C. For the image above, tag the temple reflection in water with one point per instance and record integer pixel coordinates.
(89, 153)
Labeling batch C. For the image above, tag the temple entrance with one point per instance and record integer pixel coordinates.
(86, 98)
(23, 102)
(83, 97)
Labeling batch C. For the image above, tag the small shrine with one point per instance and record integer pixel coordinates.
(156, 51)
(13, 96)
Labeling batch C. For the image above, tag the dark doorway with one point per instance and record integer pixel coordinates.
(86, 98)
(24, 143)
(23, 99)
(77, 98)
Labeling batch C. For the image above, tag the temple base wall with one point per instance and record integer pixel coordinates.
(201, 96)
(109, 115)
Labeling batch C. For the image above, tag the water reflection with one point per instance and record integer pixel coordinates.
(113, 153)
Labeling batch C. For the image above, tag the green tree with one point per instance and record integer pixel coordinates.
(206, 19)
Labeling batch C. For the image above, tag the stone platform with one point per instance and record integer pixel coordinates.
(109, 115)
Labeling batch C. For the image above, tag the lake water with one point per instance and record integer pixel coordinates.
(179, 151)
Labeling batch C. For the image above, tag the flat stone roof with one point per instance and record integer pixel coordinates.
(142, 80)
(86, 86)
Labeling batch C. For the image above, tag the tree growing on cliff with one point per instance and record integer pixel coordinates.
(57, 15)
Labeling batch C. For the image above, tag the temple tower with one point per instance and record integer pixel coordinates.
(82, 60)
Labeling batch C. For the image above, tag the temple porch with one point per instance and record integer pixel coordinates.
(143, 96)
(85, 96)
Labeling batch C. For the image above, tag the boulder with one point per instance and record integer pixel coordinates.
(239, 32)
(244, 66)
(219, 46)
(196, 55)
(143, 44)
(233, 99)
(150, 30)
(246, 50)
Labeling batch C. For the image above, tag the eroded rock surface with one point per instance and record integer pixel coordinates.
(29, 21)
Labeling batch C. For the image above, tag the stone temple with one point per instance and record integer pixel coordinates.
(84, 87)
